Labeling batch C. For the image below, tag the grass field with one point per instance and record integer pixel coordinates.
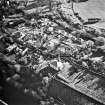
(91, 9)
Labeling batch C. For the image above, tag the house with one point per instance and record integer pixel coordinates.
(47, 67)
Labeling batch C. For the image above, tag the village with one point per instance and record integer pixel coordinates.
(52, 52)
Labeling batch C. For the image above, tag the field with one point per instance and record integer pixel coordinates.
(91, 9)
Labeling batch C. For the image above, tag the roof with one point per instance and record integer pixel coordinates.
(47, 64)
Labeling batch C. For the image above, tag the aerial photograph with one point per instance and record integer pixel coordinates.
(52, 52)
